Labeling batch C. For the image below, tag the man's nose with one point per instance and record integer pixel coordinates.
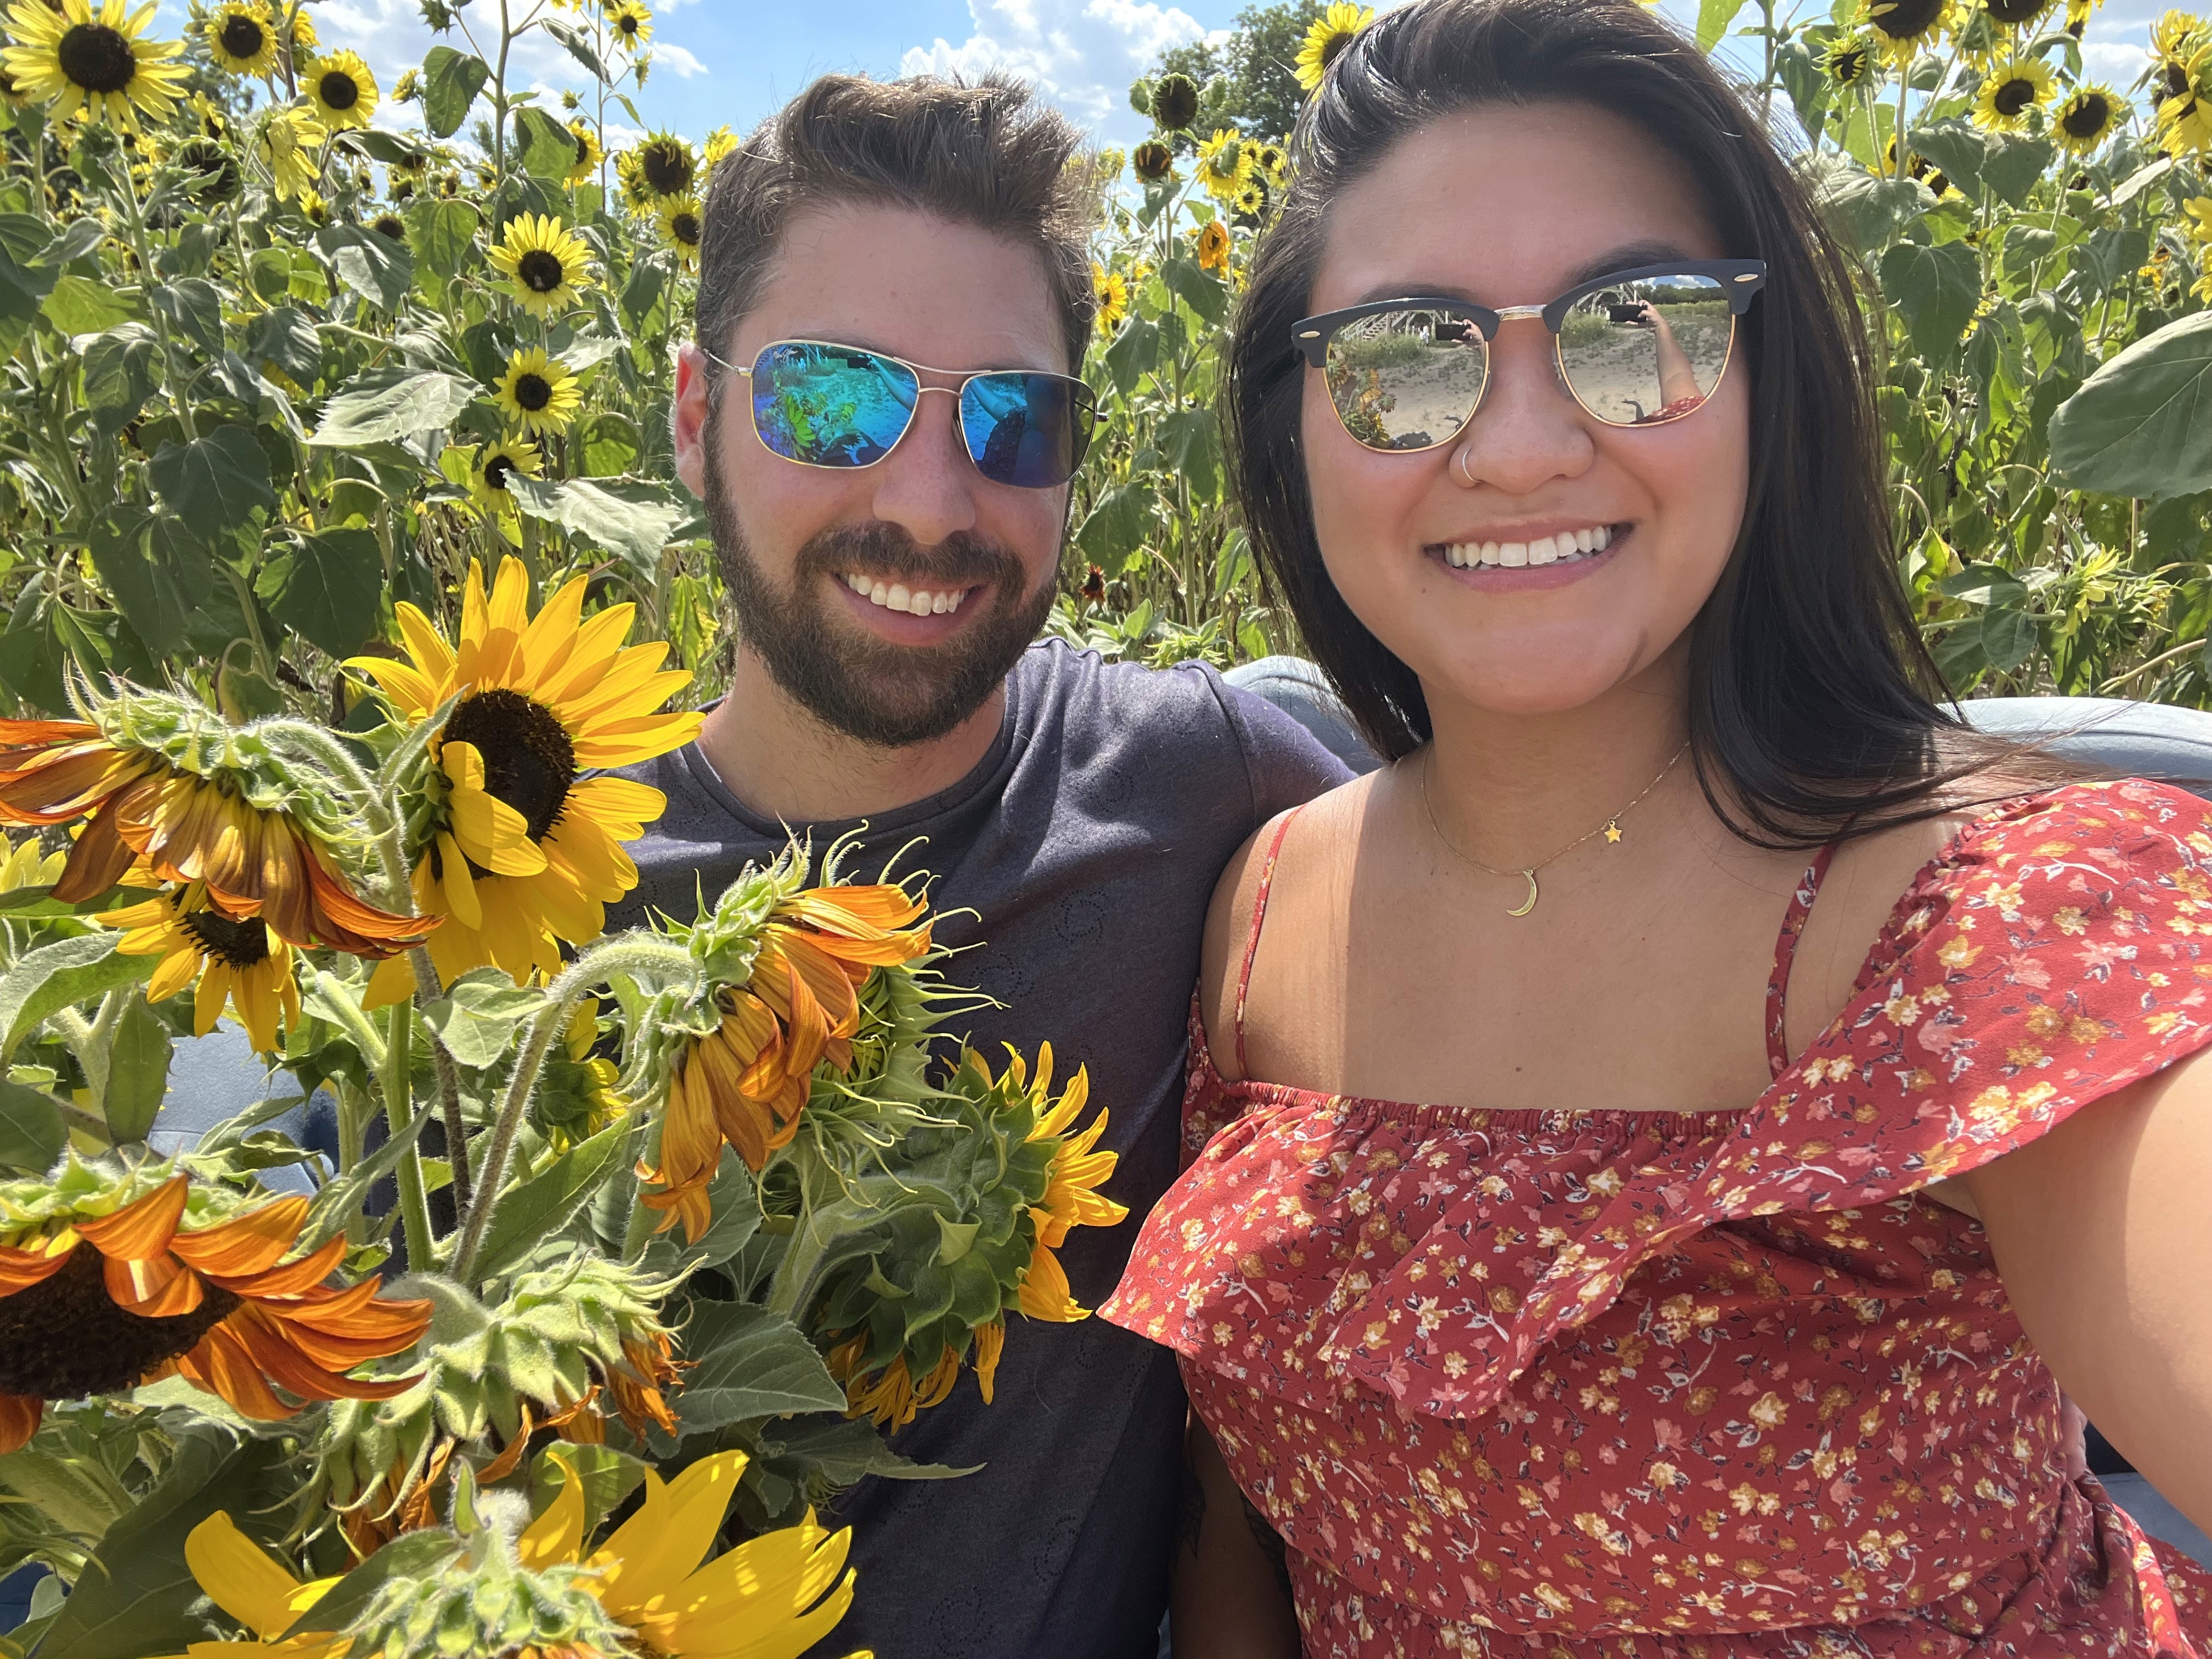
(1529, 429)
(926, 485)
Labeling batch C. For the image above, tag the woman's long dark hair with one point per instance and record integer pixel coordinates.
(1812, 699)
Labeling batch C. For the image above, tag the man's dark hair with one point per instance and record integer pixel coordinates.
(985, 154)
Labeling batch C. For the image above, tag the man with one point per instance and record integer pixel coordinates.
(891, 553)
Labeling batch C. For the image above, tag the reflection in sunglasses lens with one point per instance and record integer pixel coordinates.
(1650, 350)
(1407, 379)
(1028, 430)
(830, 405)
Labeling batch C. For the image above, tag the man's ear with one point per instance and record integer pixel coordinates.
(687, 418)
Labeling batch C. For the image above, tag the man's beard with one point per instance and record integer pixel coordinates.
(890, 697)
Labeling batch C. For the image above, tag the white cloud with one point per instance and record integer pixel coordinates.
(2113, 61)
(1080, 53)
(677, 62)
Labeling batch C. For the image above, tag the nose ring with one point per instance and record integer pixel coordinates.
(1460, 466)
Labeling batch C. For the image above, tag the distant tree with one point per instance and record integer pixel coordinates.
(1256, 62)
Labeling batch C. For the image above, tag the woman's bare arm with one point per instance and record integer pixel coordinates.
(1230, 1594)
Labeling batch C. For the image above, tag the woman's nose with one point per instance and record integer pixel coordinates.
(1529, 429)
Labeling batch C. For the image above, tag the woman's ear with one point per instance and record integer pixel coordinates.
(687, 418)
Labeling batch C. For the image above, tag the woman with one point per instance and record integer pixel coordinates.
(1808, 1088)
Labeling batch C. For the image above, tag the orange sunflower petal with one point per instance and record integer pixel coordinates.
(245, 1244)
(141, 1230)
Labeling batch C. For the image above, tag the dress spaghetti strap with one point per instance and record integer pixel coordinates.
(1786, 954)
(1259, 917)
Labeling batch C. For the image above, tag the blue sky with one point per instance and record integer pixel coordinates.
(733, 62)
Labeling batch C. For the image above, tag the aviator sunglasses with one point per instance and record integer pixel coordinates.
(823, 404)
(1635, 347)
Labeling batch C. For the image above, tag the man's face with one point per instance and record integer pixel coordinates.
(814, 556)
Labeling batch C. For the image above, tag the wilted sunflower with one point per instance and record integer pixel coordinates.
(526, 849)
(538, 393)
(656, 167)
(1213, 247)
(891, 1397)
(589, 155)
(390, 226)
(2086, 117)
(1224, 162)
(2008, 92)
(238, 961)
(631, 24)
(341, 88)
(111, 1278)
(1111, 289)
(242, 37)
(1330, 33)
(288, 143)
(548, 266)
(1174, 101)
(92, 64)
(488, 478)
(682, 228)
(1902, 29)
(1849, 59)
(1152, 161)
(1073, 1199)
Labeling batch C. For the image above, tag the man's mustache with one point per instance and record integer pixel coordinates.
(887, 552)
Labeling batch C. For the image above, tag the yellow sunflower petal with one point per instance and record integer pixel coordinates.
(459, 886)
(554, 1538)
(241, 1577)
(489, 831)
(655, 1549)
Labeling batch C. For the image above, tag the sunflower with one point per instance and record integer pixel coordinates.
(539, 393)
(1224, 162)
(1251, 199)
(2078, 14)
(92, 65)
(1331, 31)
(528, 849)
(577, 1094)
(2021, 15)
(407, 88)
(2185, 117)
(721, 143)
(242, 37)
(341, 89)
(1902, 29)
(288, 144)
(389, 226)
(1111, 289)
(1849, 59)
(301, 37)
(1152, 161)
(146, 814)
(1273, 164)
(1072, 1197)
(631, 24)
(2086, 117)
(891, 1397)
(682, 227)
(2008, 92)
(589, 154)
(488, 478)
(240, 962)
(656, 167)
(1213, 247)
(313, 208)
(543, 261)
(110, 1278)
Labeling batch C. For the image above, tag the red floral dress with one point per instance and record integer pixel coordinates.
(1713, 1384)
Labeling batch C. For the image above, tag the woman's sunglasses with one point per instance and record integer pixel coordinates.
(1636, 348)
(822, 404)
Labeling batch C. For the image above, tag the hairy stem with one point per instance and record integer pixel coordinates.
(399, 1114)
(428, 990)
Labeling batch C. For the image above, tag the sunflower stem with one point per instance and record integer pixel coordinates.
(428, 990)
(399, 1112)
(622, 955)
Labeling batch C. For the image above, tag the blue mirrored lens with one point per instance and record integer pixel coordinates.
(831, 405)
(1028, 430)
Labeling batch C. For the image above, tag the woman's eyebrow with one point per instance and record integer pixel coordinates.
(1628, 256)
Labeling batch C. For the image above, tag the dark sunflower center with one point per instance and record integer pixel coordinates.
(391, 225)
(1332, 46)
(2014, 96)
(497, 469)
(63, 1339)
(667, 169)
(528, 759)
(236, 943)
(243, 37)
(2088, 117)
(684, 226)
(541, 271)
(2176, 79)
(97, 57)
(533, 392)
(583, 149)
(1908, 20)
(338, 90)
(626, 23)
(2017, 11)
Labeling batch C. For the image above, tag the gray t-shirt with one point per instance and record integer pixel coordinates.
(1088, 842)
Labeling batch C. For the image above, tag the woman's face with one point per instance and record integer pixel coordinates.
(1504, 207)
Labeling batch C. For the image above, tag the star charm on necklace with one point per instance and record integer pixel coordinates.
(1612, 832)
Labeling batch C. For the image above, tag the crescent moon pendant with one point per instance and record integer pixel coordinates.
(1528, 903)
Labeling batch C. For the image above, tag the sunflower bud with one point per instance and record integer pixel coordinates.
(1141, 95)
(1175, 102)
(1153, 160)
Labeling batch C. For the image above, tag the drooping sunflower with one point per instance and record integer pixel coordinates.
(301, 38)
(577, 1094)
(1152, 161)
(545, 263)
(658, 166)
(217, 823)
(1902, 29)
(891, 1397)
(341, 88)
(242, 37)
(1213, 247)
(90, 64)
(1072, 1197)
(525, 850)
(1330, 33)
(538, 393)
(2008, 92)
(112, 1277)
(290, 142)
(1174, 101)
(631, 24)
(1111, 289)
(2078, 14)
(589, 154)
(407, 88)
(389, 226)
(682, 227)
(2086, 117)
(1224, 162)
(238, 963)
(488, 478)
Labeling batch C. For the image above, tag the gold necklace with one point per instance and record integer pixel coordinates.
(1610, 830)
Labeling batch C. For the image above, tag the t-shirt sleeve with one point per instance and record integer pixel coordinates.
(1286, 764)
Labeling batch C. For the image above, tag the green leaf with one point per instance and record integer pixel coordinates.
(2009, 638)
(747, 1362)
(269, 272)
(546, 147)
(1958, 147)
(2142, 425)
(23, 289)
(1985, 585)
(120, 373)
(608, 1476)
(193, 305)
(641, 297)
(138, 1072)
(32, 1136)
(541, 1206)
(377, 410)
(340, 1200)
(372, 265)
(735, 1198)
(610, 443)
(285, 337)
(1862, 210)
(1131, 355)
(579, 45)
(326, 586)
(1714, 18)
(451, 81)
(213, 483)
(80, 306)
(477, 1018)
(156, 582)
(2013, 165)
(1191, 442)
(633, 522)
(55, 976)
(444, 235)
(417, 1555)
(1937, 289)
(1119, 523)
(1205, 294)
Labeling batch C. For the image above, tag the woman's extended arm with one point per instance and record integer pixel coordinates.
(2102, 1231)
(1230, 1594)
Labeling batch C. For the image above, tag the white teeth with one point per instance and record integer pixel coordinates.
(1488, 554)
(1585, 540)
(858, 584)
(1542, 550)
(1512, 555)
(896, 596)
